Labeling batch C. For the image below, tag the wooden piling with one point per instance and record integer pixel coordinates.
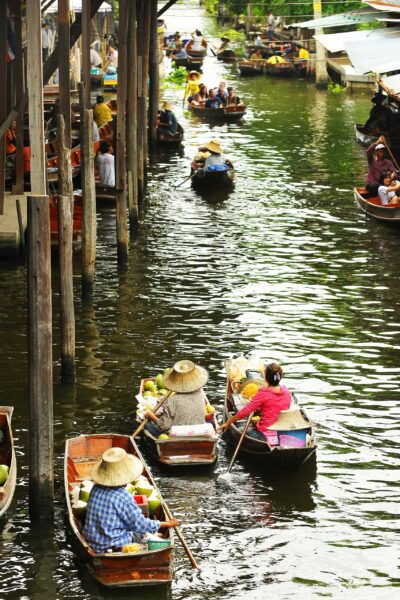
(64, 67)
(88, 199)
(120, 167)
(40, 375)
(146, 65)
(131, 120)
(86, 38)
(141, 100)
(3, 98)
(154, 92)
(19, 91)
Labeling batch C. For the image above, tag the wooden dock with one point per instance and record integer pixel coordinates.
(10, 239)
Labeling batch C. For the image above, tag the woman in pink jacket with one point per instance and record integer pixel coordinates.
(269, 401)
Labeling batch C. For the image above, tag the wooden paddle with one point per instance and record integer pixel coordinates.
(241, 440)
(169, 515)
(187, 179)
(184, 95)
(145, 421)
(391, 154)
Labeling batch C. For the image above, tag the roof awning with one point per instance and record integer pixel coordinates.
(365, 15)
(390, 5)
(391, 85)
(376, 56)
(76, 6)
(334, 42)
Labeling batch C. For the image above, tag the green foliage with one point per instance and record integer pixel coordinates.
(178, 75)
(281, 8)
(336, 88)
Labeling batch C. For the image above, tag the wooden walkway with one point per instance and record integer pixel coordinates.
(10, 239)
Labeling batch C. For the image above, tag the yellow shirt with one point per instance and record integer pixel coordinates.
(192, 88)
(304, 53)
(102, 114)
(273, 60)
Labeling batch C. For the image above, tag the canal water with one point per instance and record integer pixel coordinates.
(286, 265)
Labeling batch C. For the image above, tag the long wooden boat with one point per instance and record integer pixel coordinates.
(171, 140)
(224, 113)
(76, 221)
(226, 56)
(364, 136)
(374, 208)
(249, 68)
(113, 569)
(249, 49)
(285, 69)
(182, 451)
(7, 457)
(213, 179)
(276, 456)
(196, 53)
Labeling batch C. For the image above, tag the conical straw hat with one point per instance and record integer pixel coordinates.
(185, 376)
(117, 468)
(289, 420)
(213, 146)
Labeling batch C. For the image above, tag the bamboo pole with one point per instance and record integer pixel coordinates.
(64, 67)
(131, 120)
(120, 172)
(154, 93)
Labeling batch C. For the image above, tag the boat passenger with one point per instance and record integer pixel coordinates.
(112, 58)
(257, 55)
(11, 138)
(199, 42)
(221, 92)
(225, 43)
(192, 84)
(102, 113)
(276, 59)
(106, 164)
(203, 92)
(187, 405)
(269, 400)
(113, 519)
(213, 101)
(179, 52)
(377, 163)
(387, 189)
(232, 98)
(303, 53)
(196, 101)
(95, 59)
(167, 124)
(216, 155)
(258, 42)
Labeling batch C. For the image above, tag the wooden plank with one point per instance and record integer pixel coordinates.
(154, 73)
(3, 98)
(120, 171)
(35, 95)
(131, 120)
(40, 363)
(64, 68)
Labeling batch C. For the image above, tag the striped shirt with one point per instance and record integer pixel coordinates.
(113, 518)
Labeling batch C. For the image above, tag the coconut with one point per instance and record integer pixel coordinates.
(160, 382)
(3, 474)
(150, 386)
(130, 488)
(143, 487)
(154, 502)
(84, 494)
(79, 509)
(87, 483)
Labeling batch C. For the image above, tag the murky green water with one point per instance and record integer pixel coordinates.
(287, 265)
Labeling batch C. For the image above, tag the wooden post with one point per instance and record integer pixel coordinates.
(3, 98)
(40, 378)
(120, 171)
(65, 229)
(86, 37)
(154, 97)
(88, 199)
(19, 91)
(146, 64)
(321, 74)
(131, 120)
(64, 67)
(141, 101)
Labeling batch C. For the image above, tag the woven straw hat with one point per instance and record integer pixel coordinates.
(289, 420)
(213, 146)
(117, 468)
(198, 75)
(167, 106)
(185, 376)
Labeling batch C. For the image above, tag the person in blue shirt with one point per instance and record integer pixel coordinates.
(213, 100)
(113, 518)
(167, 124)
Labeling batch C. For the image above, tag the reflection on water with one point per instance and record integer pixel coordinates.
(285, 263)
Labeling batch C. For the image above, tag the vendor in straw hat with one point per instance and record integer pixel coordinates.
(225, 42)
(216, 154)
(167, 123)
(186, 406)
(192, 84)
(269, 400)
(113, 518)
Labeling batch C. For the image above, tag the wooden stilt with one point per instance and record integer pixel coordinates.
(141, 99)
(120, 171)
(154, 95)
(19, 90)
(64, 67)
(86, 38)
(3, 98)
(131, 120)
(146, 65)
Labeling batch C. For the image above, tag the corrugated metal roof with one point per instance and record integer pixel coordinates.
(342, 19)
(334, 42)
(390, 5)
(391, 85)
(377, 56)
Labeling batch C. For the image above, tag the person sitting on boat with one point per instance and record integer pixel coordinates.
(259, 43)
(112, 58)
(213, 101)
(232, 98)
(167, 124)
(257, 55)
(113, 519)
(95, 58)
(221, 92)
(388, 189)
(275, 60)
(105, 163)
(102, 113)
(303, 53)
(225, 43)
(179, 52)
(203, 92)
(199, 43)
(197, 101)
(187, 405)
(269, 400)
(192, 84)
(216, 158)
(376, 164)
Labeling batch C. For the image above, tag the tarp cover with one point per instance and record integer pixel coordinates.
(334, 42)
(374, 56)
(392, 5)
(391, 84)
(342, 19)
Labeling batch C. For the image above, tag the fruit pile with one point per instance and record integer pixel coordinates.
(3, 474)
(153, 392)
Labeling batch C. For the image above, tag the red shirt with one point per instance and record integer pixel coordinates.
(270, 404)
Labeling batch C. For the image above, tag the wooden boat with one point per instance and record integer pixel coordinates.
(180, 62)
(76, 220)
(225, 113)
(227, 55)
(276, 456)
(182, 451)
(196, 53)
(212, 179)
(52, 164)
(364, 136)
(285, 69)
(373, 207)
(113, 569)
(250, 68)
(164, 138)
(112, 105)
(7, 457)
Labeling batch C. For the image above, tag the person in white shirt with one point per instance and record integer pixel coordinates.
(198, 41)
(387, 189)
(106, 164)
(47, 40)
(96, 134)
(95, 59)
(112, 58)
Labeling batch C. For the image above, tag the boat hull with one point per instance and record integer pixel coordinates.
(115, 569)
(228, 113)
(248, 69)
(171, 140)
(7, 457)
(226, 56)
(364, 137)
(373, 208)
(213, 180)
